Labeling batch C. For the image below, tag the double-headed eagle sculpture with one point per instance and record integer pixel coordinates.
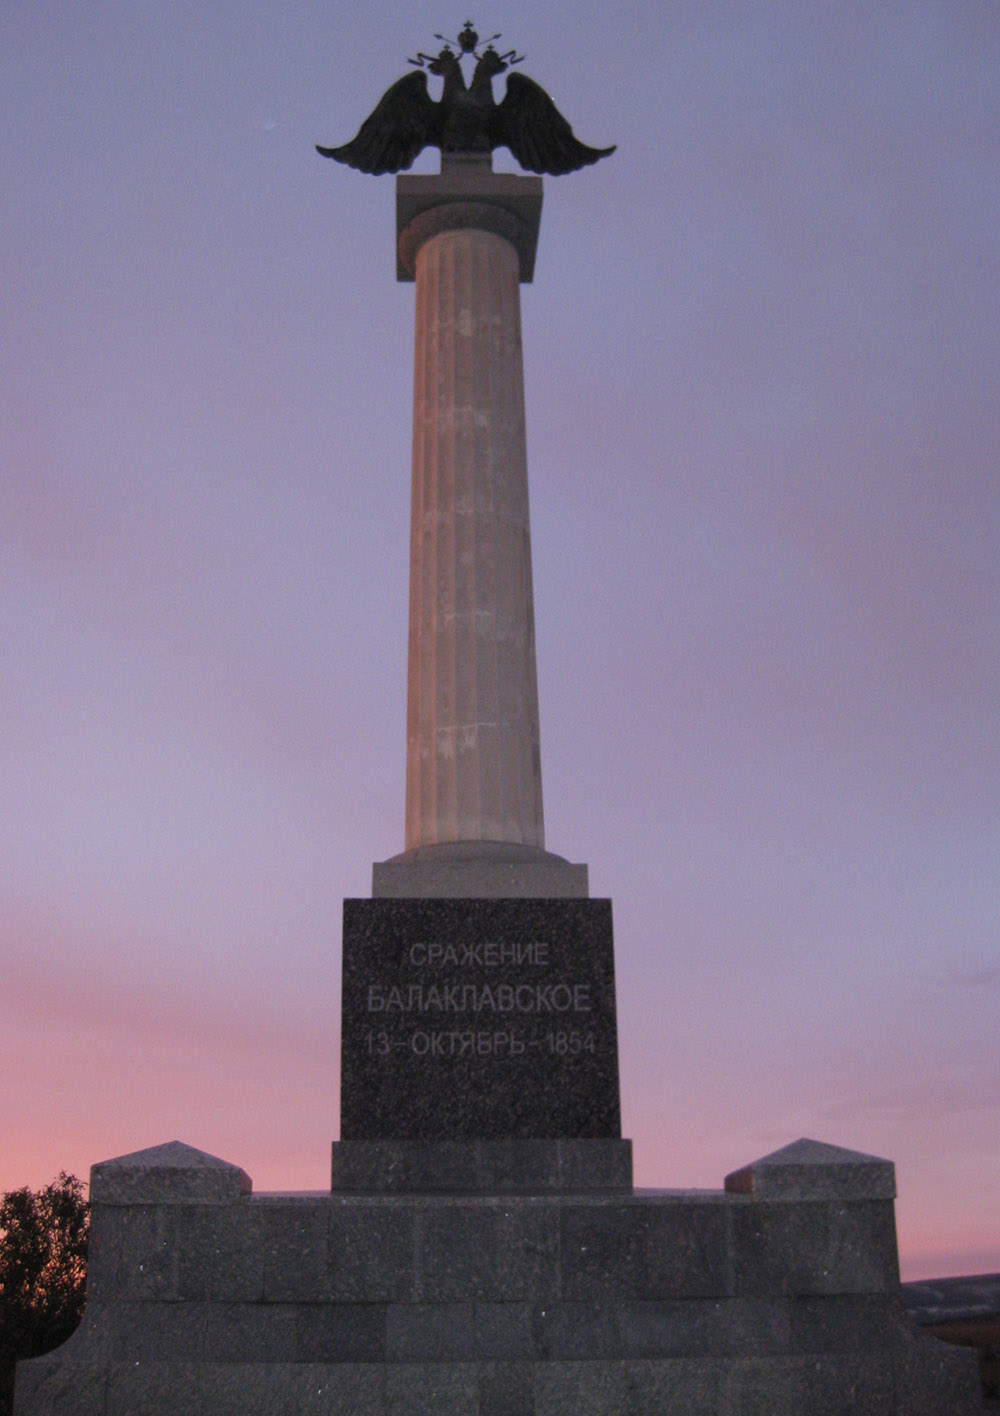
(465, 119)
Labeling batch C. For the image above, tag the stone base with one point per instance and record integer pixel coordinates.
(868, 1383)
(683, 1303)
(482, 1167)
(478, 870)
(478, 1019)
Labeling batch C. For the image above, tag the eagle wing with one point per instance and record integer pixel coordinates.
(405, 120)
(529, 123)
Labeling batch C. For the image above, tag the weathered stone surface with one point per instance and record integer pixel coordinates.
(133, 1252)
(506, 1389)
(220, 1255)
(432, 1389)
(169, 1174)
(430, 1332)
(812, 1170)
(478, 1020)
(504, 1331)
(478, 870)
(294, 1251)
(692, 1387)
(372, 1252)
(504, 1304)
(815, 1247)
(499, 1167)
(50, 1384)
(585, 1388)
(576, 1332)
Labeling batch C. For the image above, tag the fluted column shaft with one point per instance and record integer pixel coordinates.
(473, 766)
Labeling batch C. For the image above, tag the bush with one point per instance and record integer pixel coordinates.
(43, 1270)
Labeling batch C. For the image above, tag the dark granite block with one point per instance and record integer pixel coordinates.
(494, 1167)
(403, 1167)
(429, 1332)
(173, 1388)
(687, 1250)
(580, 1389)
(244, 1389)
(850, 1386)
(192, 1332)
(47, 1384)
(341, 1332)
(487, 1250)
(602, 1250)
(752, 1387)
(432, 1390)
(812, 1170)
(757, 1324)
(674, 1329)
(815, 1247)
(576, 1331)
(174, 1173)
(703, 1328)
(504, 1330)
(219, 1253)
(114, 1332)
(249, 1332)
(347, 1389)
(841, 1323)
(107, 1239)
(458, 1251)
(294, 1238)
(371, 1251)
(133, 1252)
(595, 1165)
(478, 1019)
(529, 1252)
(935, 1379)
(689, 1388)
(506, 1389)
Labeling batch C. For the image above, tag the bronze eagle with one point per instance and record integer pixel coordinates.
(465, 119)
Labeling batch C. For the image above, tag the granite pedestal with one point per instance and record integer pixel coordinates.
(481, 1019)
(778, 1294)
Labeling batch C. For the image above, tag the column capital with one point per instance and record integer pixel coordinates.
(463, 196)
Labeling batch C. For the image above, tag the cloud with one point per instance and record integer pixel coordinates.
(986, 976)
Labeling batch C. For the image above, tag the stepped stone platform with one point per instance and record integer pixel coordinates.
(777, 1294)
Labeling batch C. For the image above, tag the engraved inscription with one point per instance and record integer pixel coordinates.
(519, 1001)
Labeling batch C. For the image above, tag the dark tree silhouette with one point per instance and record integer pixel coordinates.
(43, 1268)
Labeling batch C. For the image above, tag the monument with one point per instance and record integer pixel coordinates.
(482, 1250)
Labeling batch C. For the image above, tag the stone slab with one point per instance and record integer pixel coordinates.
(803, 1247)
(479, 870)
(478, 1020)
(813, 1170)
(488, 1167)
(173, 1173)
(921, 1382)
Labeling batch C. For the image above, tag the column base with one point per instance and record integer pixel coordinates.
(512, 1167)
(478, 870)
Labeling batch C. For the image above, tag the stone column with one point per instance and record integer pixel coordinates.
(474, 822)
(473, 769)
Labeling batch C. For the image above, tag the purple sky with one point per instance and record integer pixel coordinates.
(763, 360)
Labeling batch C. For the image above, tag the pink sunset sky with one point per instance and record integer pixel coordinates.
(763, 360)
